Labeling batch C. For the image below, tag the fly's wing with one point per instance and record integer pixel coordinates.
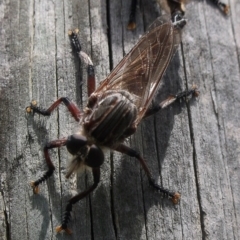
(141, 70)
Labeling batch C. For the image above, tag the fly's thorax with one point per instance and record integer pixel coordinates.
(109, 117)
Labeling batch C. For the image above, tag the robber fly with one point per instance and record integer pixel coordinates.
(115, 109)
(171, 7)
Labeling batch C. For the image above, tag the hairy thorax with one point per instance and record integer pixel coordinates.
(109, 117)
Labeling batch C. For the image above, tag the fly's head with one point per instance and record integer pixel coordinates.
(84, 152)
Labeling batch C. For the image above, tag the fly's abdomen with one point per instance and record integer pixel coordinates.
(112, 114)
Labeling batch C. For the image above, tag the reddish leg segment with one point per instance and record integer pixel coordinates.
(73, 109)
(174, 196)
(75, 199)
(54, 144)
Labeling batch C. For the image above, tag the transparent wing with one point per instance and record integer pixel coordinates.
(141, 70)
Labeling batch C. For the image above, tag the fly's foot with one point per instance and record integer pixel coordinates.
(34, 187)
(195, 91)
(63, 228)
(31, 108)
(73, 34)
(74, 31)
(175, 198)
(131, 25)
(224, 8)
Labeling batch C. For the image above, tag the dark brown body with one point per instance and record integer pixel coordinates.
(109, 117)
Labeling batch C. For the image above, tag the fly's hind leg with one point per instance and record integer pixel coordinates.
(171, 99)
(54, 144)
(174, 196)
(91, 83)
(75, 199)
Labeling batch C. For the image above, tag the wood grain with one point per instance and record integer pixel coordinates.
(190, 147)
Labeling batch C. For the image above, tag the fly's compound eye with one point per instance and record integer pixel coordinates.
(75, 142)
(95, 157)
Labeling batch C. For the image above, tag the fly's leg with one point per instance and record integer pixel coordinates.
(176, 7)
(171, 99)
(75, 199)
(54, 144)
(91, 83)
(132, 17)
(73, 109)
(174, 196)
(223, 7)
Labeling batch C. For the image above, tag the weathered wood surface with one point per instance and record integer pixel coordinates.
(193, 149)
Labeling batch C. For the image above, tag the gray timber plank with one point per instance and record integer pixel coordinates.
(192, 148)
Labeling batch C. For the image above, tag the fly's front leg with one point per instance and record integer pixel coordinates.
(75, 199)
(73, 109)
(91, 83)
(174, 196)
(171, 99)
(54, 144)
